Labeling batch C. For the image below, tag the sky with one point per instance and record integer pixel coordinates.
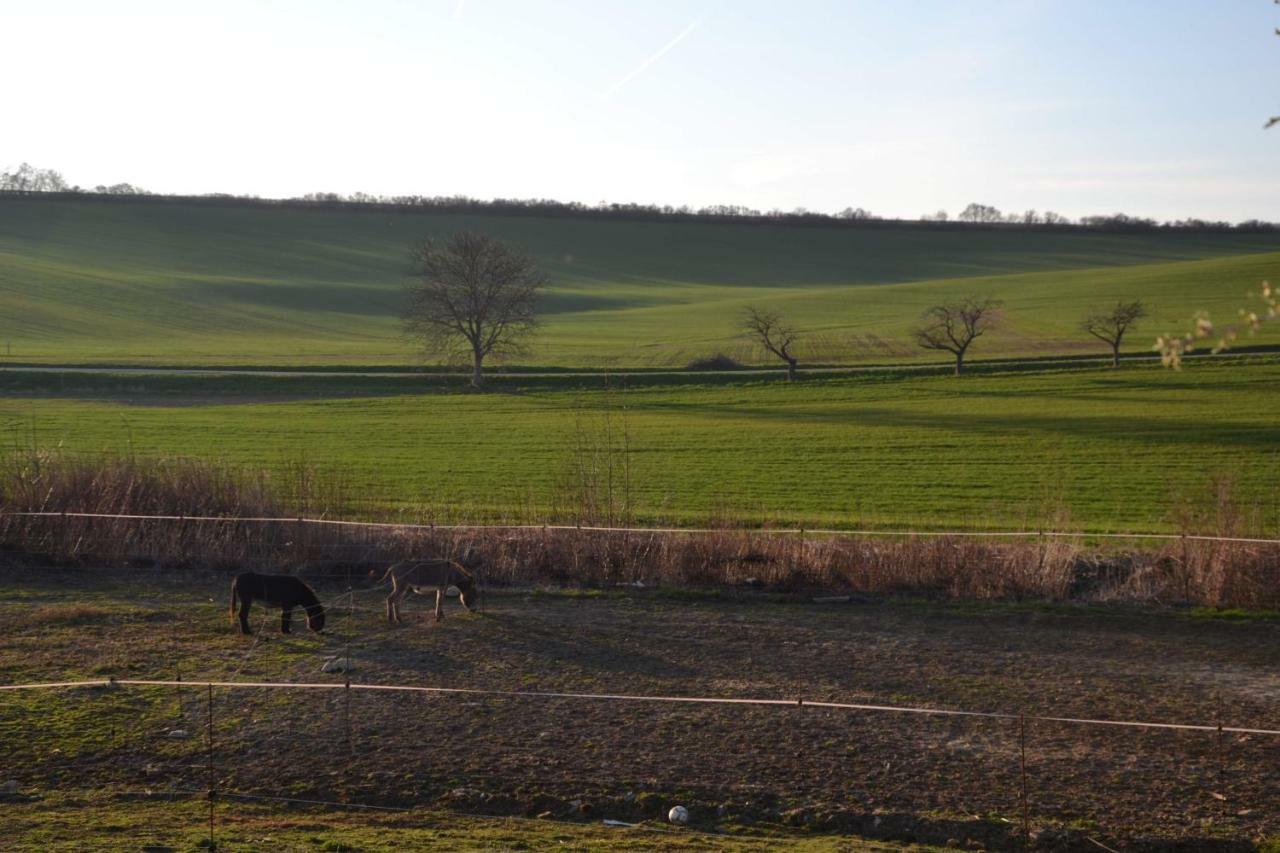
(902, 107)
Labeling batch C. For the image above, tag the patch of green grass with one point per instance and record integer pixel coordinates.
(1099, 450)
(576, 592)
(102, 822)
(193, 284)
(1233, 614)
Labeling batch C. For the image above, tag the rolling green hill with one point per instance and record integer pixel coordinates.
(86, 281)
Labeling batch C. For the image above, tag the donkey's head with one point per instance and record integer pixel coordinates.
(315, 617)
(466, 584)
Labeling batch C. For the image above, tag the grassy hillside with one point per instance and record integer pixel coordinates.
(171, 284)
(1116, 450)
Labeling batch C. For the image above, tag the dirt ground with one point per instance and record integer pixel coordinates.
(914, 778)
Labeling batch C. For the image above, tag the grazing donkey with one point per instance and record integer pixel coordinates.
(423, 576)
(283, 591)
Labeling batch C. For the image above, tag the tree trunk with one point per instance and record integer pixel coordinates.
(791, 370)
(959, 363)
(1115, 354)
(477, 373)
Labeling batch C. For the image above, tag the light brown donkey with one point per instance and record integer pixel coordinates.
(424, 576)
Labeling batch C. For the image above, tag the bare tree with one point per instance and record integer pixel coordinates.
(773, 333)
(120, 189)
(954, 326)
(28, 178)
(474, 295)
(1110, 326)
(980, 213)
(855, 213)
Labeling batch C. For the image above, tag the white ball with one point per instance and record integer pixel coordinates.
(678, 814)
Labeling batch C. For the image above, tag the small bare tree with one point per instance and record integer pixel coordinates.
(768, 329)
(1110, 326)
(953, 326)
(474, 295)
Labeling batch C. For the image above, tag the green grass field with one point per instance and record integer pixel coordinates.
(1119, 450)
(125, 822)
(89, 281)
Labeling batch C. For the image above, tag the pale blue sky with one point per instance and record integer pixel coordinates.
(1153, 107)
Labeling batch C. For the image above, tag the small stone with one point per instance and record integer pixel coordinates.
(9, 788)
(337, 664)
(178, 734)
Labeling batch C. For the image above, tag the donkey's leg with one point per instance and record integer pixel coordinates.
(245, 601)
(393, 602)
(439, 603)
(286, 614)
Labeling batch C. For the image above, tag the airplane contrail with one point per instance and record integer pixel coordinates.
(457, 10)
(662, 51)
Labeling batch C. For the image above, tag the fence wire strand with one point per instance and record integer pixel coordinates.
(798, 702)
(781, 531)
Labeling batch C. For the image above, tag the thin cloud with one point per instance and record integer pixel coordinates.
(661, 52)
(457, 9)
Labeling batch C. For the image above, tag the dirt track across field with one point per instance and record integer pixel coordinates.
(899, 776)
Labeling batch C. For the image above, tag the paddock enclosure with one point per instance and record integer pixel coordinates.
(617, 748)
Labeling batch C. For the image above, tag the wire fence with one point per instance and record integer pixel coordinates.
(920, 759)
(220, 753)
(1215, 570)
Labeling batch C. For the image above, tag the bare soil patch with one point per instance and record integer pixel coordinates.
(895, 776)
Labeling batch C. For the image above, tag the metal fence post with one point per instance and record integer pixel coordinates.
(213, 779)
(1222, 770)
(347, 715)
(1022, 749)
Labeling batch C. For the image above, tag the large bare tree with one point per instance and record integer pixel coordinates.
(1110, 326)
(954, 326)
(28, 178)
(474, 295)
(773, 333)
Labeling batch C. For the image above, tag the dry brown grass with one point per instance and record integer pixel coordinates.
(64, 615)
(1214, 574)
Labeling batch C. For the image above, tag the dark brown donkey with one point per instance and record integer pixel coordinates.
(283, 591)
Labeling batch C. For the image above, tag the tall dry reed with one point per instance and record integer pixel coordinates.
(1217, 574)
